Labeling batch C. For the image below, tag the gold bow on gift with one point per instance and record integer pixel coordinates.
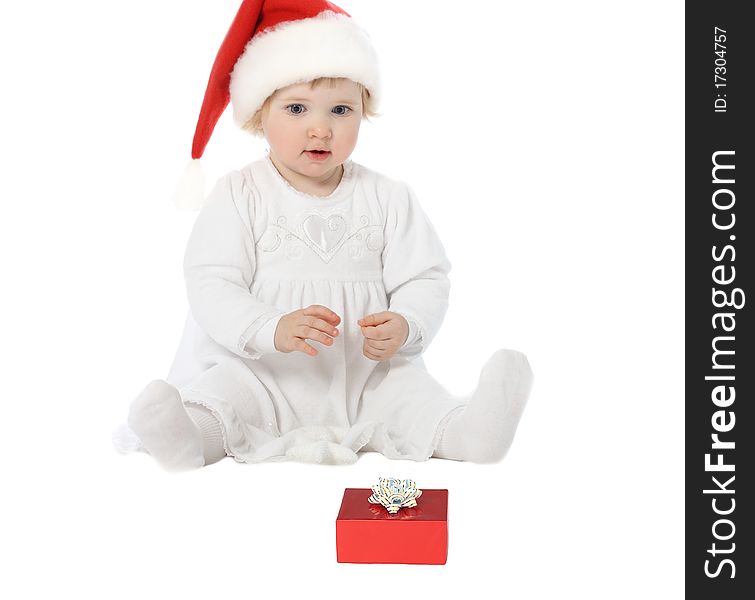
(395, 494)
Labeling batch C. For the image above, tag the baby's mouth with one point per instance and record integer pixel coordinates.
(318, 155)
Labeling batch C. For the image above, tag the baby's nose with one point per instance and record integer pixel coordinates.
(319, 130)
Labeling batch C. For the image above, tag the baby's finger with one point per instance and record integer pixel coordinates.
(303, 346)
(320, 324)
(369, 354)
(375, 333)
(310, 333)
(318, 310)
(374, 319)
(376, 346)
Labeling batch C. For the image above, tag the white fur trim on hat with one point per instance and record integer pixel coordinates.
(328, 45)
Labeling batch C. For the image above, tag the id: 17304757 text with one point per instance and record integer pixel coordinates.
(719, 69)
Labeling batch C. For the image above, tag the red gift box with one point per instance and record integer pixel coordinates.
(368, 533)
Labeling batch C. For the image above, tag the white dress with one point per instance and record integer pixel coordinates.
(260, 249)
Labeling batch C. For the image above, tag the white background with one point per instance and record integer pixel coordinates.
(545, 142)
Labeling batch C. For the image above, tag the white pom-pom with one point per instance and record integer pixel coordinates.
(189, 194)
(125, 440)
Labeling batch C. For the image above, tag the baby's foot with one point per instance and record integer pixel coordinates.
(159, 418)
(484, 430)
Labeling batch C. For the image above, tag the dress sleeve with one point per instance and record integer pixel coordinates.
(219, 266)
(415, 271)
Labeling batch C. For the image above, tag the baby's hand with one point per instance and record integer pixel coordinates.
(315, 322)
(384, 333)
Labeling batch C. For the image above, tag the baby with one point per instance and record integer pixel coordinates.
(314, 283)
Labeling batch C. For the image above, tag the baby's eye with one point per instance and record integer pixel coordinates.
(345, 112)
(296, 112)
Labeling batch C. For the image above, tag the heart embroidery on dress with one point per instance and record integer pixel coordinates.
(325, 234)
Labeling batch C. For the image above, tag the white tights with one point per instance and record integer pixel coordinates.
(182, 436)
(483, 430)
(211, 431)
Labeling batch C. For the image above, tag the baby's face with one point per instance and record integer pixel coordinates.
(299, 119)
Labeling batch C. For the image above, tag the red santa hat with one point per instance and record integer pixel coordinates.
(272, 44)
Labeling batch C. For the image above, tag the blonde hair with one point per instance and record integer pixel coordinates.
(254, 125)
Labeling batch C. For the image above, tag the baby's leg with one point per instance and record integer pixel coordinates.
(482, 431)
(211, 431)
(175, 439)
